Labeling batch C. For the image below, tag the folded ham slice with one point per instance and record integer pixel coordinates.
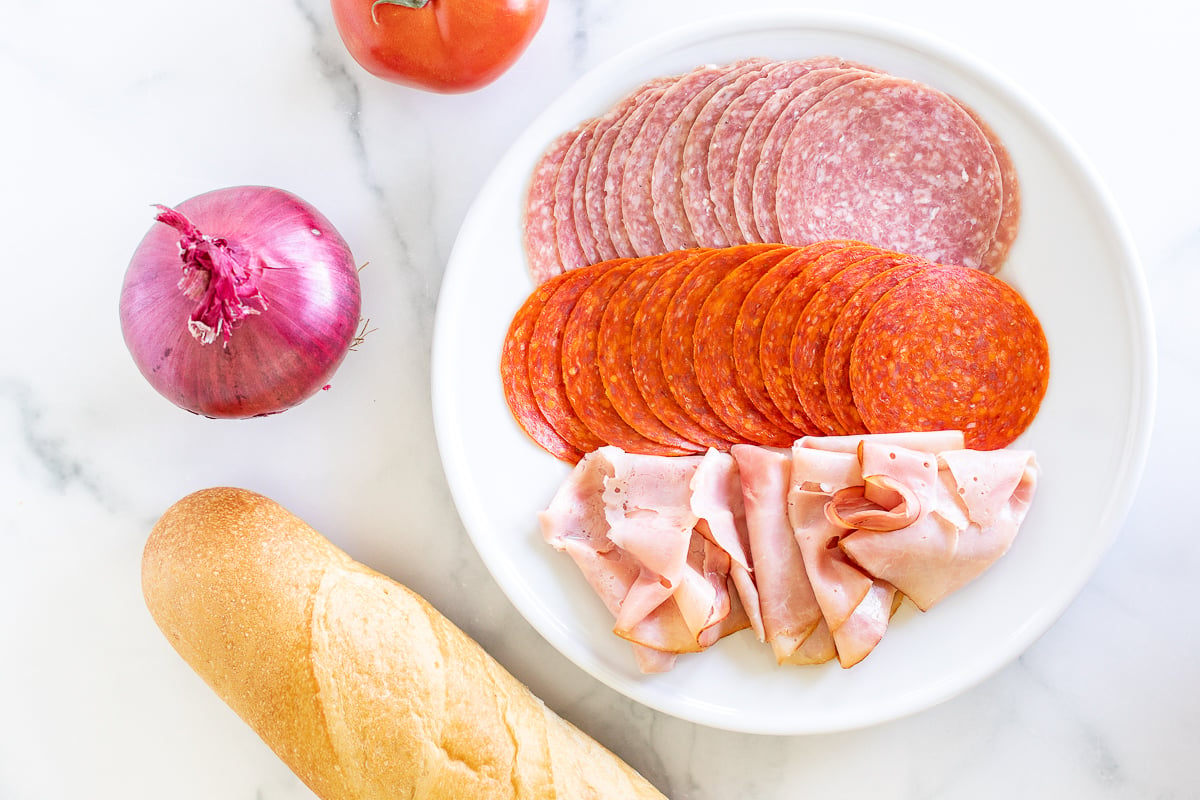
(813, 547)
(971, 504)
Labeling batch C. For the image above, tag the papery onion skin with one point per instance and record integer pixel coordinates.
(273, 359)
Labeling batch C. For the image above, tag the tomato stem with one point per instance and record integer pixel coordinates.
(406, 3)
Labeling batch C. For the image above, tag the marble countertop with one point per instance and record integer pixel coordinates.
(112, 107)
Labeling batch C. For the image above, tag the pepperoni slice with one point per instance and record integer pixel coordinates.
(780, 323)
(545, 356)
(648, 370)
(836, 366)
(615, 349)
(716, 370)
(813, 329)
(679, 345)
(582, 379)
(514, 375)
(951, 348)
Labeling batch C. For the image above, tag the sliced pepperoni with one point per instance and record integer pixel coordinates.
(514, 375)
(836, 367)
(615, 350)
(814, 327)
(545, 356)
(747, 330)
(951, 348)
(679, 347)
(893, 162)
(749, 156)
(765, 182)
(781, 324)
(714, 361)
(667, 173)
(637, 204)
(582, 380)
(648, 370)
(540, 239)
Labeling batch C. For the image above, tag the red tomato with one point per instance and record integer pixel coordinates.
(439, 45)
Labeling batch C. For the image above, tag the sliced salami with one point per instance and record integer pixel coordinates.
(731, 130)
(615, 350)
(648, 370)
(667, 172)
(637, 204)
(1010, 206)
(951, 348)
(836, 367)
(695, 188)
(571, 248)
(716, 371)
(780, 326)
(582, 380)
(545, 356)
(614, 179)
(514, 376)
(539, 235)
(896, 163)
(813, 330)
(764, 184)
(758, 130)
(747, 330)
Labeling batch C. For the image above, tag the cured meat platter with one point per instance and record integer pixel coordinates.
(1073, 262)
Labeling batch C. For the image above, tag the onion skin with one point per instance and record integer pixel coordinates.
(272, 359)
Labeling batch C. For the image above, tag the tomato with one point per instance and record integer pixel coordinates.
(440, 45)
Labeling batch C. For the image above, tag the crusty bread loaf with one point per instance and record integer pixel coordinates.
(355, 681)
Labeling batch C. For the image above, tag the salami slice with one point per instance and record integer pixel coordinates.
(750, 153)
(648, 370)
(731, 128)
(679, 348)
(545, 356)
(637, 204)
(714, 358)
(614, 179)
(747, 330)
(813, 330)
(571, 248)
(781, 325)
(764, 184)
(615, 350)
(599, 152)
(666, 177)
(836, 366)
(514, 376)
(951, 348)
(582, 379)
(540, 238)
(893, 162)
(695, 188)
(1010, 189)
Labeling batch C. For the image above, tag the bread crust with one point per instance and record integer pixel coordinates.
(355, 681)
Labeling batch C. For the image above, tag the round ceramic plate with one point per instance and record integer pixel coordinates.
(1090, 437)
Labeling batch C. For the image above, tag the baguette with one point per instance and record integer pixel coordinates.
(358, 684)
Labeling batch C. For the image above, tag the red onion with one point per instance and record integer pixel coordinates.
(240, 302)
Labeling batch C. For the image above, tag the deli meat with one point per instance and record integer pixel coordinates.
(813, 548)
(786, 152)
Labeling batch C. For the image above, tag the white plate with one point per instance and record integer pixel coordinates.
(1073, 261)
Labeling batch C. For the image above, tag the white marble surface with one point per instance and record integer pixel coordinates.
(111, 107)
